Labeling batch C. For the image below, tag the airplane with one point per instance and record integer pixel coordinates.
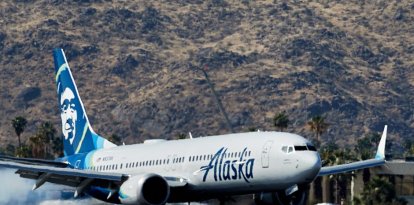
(276, 167)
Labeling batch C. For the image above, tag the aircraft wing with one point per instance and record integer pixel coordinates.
(60, 173)
(49, 171)
(377, 161)
(350, 167)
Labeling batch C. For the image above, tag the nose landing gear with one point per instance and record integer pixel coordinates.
(280, 198)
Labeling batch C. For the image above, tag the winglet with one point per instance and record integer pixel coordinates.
(381, 147)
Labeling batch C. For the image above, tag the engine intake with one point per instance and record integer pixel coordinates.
(150, 189)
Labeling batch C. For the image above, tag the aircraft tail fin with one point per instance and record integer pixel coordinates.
(78, 135)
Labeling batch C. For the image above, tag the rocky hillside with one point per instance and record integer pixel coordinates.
(136, 65)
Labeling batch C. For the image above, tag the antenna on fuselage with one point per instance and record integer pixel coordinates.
(191, 136)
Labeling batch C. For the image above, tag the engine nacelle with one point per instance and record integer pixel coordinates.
(148, 189)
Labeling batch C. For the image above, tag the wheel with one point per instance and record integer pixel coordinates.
(280, 198)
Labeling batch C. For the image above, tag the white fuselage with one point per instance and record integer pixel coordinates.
(233, 163)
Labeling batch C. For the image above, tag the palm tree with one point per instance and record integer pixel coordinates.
(281, 120)
(328, 157)
(342, 156)
(46, 133)
(181, 136)
(19, 123)
(36, 145)
(318, 125)
(57, 147)
(43, 142)
(366, 145)
(22, 151)
(252, 129)
(380, 191)
(332, 155)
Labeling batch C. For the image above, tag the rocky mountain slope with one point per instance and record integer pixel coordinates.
(136, 65)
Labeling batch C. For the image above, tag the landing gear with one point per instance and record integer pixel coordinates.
(280, 198)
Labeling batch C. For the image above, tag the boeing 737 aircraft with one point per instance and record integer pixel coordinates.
(275, 166)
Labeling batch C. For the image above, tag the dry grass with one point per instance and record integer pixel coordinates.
(351, 53)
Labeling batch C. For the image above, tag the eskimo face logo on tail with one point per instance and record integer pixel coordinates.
(229, 169)
(68, 114)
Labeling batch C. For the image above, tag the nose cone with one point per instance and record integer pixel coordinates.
(311, 165)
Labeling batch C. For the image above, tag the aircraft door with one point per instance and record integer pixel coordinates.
(265, 153)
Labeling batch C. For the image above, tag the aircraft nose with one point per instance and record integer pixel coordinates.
(311, 165)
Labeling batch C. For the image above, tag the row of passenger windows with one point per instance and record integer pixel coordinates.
(225, 155)
(163, 161)
(136, 164)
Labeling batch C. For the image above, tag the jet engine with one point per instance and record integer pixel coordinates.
(149, 189)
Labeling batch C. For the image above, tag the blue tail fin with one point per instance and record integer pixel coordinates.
(78, 135)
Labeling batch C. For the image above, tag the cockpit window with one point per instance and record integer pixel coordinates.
(287, 149)
(290, 149)
(311, 147)
(301, 148)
